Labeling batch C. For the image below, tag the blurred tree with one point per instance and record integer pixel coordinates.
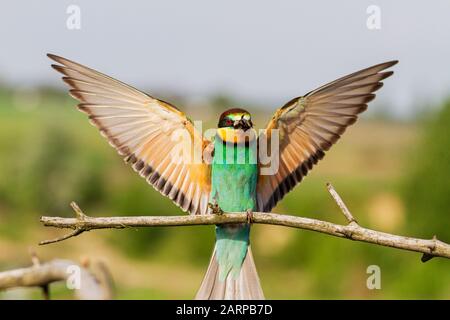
(428, 186)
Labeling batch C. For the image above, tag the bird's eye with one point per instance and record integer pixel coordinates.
(229, 122)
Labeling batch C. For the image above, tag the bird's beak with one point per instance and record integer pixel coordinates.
(243, 124)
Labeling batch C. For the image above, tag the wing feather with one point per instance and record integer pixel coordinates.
(309, 125)
(142, 129)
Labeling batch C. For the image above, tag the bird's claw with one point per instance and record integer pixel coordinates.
(249, 216)
(215, 208)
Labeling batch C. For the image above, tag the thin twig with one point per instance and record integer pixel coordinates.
(74, 233)
(34, 258)
(337, 198)
(430, 248)
(77, 228)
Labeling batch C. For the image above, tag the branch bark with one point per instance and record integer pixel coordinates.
(92, 287)
(429, 247)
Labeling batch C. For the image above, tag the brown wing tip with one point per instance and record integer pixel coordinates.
(392, 63)
(61, 60)
(386, 74)
(69, 81)
(59, 68)
(55, 57)
(387, 64)
(76, 95)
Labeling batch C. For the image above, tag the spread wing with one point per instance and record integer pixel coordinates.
(146, 132)
(309, 125)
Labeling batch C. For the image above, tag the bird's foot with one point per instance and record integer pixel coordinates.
(249, 216)
(215, 208)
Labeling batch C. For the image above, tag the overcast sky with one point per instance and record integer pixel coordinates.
(263, 51)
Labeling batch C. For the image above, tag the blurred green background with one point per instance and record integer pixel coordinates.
(392, 174)
(391, 167)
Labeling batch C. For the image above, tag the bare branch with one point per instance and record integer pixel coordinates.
(430, 248)
(77, 229)
(341, 204)
(80, 215)
(427, 256)
(36, 263)
(74, 233)
(92, 286)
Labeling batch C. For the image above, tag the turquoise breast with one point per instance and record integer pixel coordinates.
(234, 177)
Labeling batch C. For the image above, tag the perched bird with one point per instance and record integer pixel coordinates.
(229, 175)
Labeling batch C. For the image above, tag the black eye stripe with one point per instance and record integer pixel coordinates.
(228, 121)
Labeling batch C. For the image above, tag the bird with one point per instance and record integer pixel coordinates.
(228, 174)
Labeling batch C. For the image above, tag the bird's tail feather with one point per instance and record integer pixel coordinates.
(245, 287)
